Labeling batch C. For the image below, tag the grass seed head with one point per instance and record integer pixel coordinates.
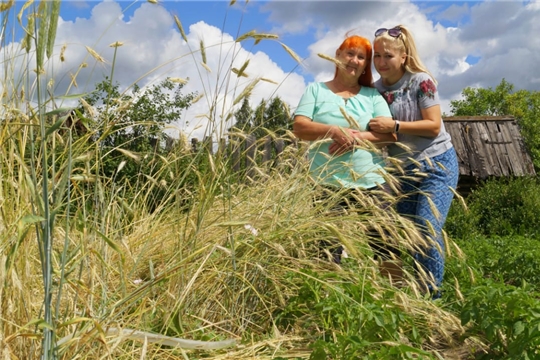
(116, 44)
(289, 51)
(73, 79)
(180, 28)
(207, 68)
(178, 80)
(95, 55)
(63, 53)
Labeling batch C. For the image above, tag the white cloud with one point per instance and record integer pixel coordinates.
(506, 45)
(154, 49)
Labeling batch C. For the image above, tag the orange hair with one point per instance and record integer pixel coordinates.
(355, 41)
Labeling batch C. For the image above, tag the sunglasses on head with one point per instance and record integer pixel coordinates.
(394, 32)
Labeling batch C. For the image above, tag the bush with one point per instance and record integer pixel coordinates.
(513, 260)
(504, 207)
(508, 317)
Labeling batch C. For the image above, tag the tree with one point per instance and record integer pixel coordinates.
(270, 115)
(523, 105)
(478, 101)
(244, 116)
(134, 122)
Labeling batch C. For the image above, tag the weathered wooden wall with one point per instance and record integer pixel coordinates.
(489, 146)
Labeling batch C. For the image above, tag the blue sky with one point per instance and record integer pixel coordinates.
(464, 44)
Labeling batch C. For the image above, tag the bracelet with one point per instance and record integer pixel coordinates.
(396, 126)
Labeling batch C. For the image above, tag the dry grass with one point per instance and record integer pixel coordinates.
(221, 270)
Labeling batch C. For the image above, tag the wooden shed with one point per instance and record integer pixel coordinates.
(488, 146)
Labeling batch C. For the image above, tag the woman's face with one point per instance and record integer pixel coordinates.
(388, 62)
(354, 61)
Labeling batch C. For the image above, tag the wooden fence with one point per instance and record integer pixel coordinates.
(246, 152)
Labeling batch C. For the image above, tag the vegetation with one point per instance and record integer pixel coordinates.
(133, 123)
(272, 116)
(186, 247)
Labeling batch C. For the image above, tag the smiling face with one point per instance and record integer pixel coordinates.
(388, 62)
(354, 61)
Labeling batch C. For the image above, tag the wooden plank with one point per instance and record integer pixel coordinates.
(267, 149)
(497, 163)
(512, 151)
(475, 162)
(486, 150)
(236, 153)
(519, 151)
(455, 131)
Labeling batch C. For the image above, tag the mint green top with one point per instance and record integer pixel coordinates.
(356, 168)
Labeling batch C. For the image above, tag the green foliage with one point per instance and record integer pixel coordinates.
(499, 207)
(508, 317)
(512, 260)
(461, 223)
(478, 101)
(272, 115)
(523, 105)
(348, 322)
(507, 206)
(134, 122)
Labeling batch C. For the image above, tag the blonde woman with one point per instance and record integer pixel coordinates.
(411, 92)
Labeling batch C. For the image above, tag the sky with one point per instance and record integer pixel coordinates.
(463, 44)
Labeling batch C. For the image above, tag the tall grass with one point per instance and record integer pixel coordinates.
(91, 272)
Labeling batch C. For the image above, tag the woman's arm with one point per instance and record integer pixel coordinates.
(306, 129)
(429, 126)
(378, 139)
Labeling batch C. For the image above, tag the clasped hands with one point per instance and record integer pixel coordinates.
(344, 139)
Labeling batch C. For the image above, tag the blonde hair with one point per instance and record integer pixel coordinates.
(405, 44)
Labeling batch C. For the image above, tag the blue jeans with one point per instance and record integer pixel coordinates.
(415, 205)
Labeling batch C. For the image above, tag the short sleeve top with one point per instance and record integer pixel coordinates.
(406, 98)
(357, 168)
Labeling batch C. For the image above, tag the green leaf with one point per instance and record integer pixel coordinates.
(110, 242)
(58, 111)
(72, 96)
(31, 219)
(519, 327)
(55, 126)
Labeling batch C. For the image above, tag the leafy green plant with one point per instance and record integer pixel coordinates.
(507, 316)
(352, 319)
(507, 206)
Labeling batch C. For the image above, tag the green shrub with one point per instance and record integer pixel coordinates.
(349, 322)
(506, 206)
(461, 223)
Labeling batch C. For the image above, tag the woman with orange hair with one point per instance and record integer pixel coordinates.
(326, 111)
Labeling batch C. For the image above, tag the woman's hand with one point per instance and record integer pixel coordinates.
(344, 141)
(382, 124)
(343, 136)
